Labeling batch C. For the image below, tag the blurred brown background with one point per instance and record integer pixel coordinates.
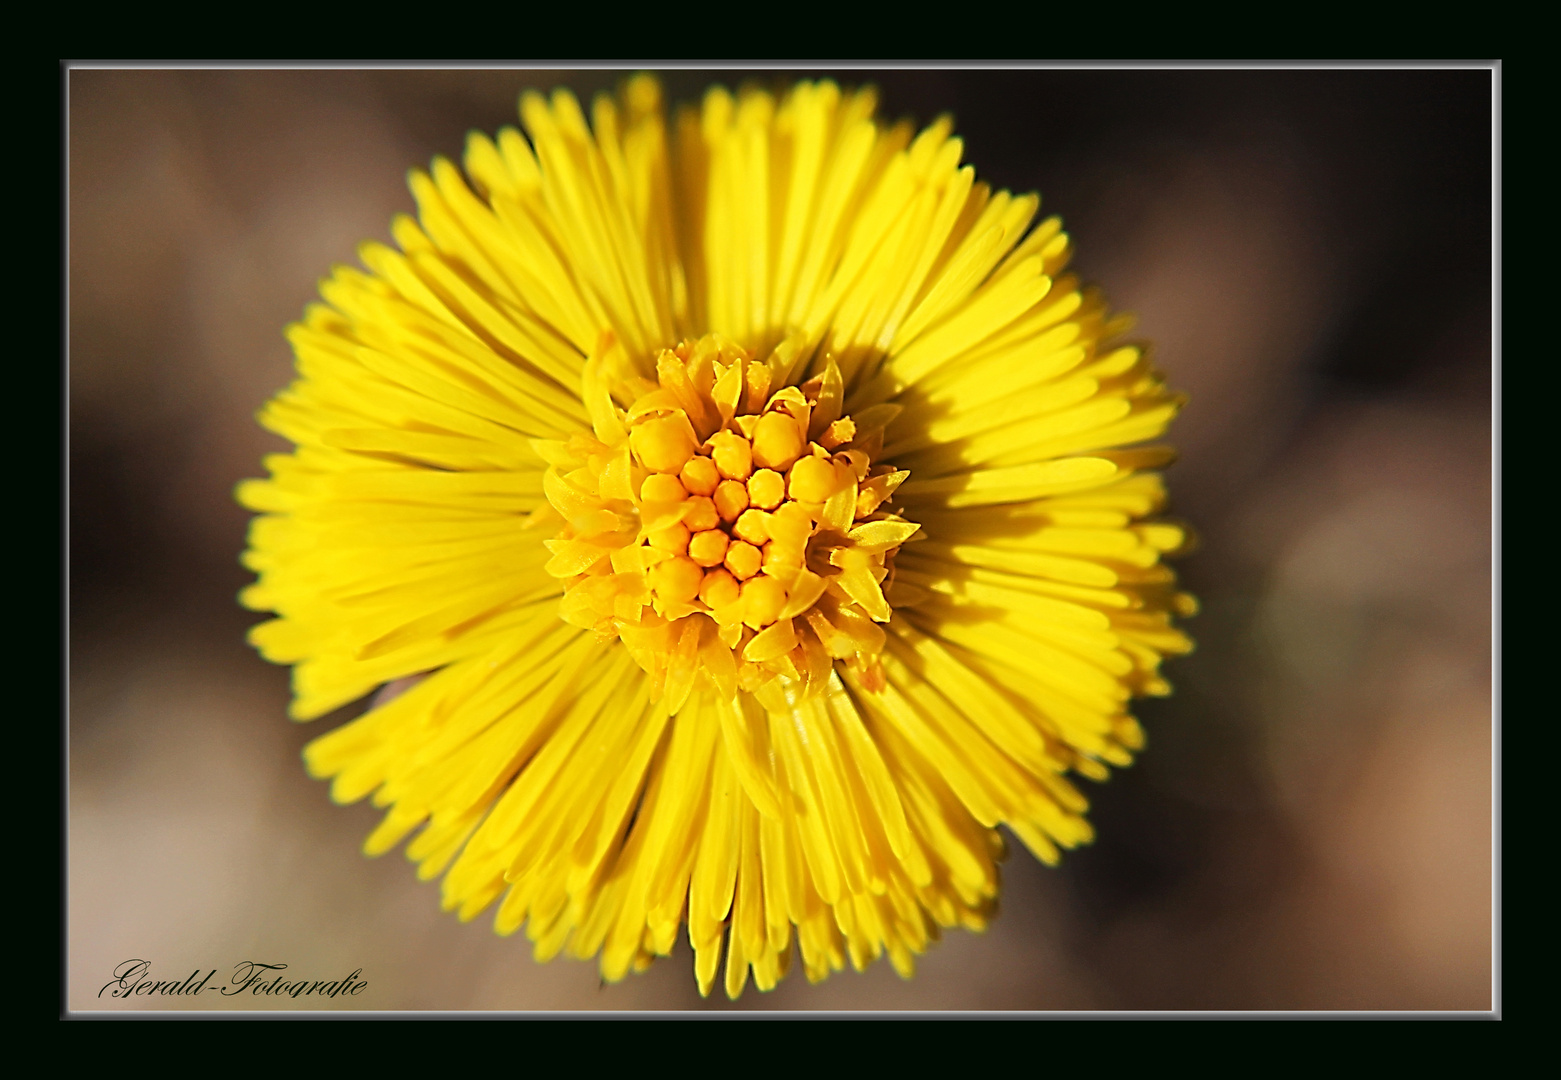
(1311, 826)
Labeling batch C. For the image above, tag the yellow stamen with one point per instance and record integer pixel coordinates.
(753, 527)
(708, 548)
(733, 455)
(701, 514)
(743, 559)
(677, 581)
(663, 444)
(763, 599)
(766, 489)
(731, 499)
(779, 556)
(673, 539)
(811, 480)
(659, 487)
(699, 476)
(776, 442)
(719, 589)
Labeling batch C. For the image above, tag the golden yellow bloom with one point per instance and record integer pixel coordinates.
(753, 497)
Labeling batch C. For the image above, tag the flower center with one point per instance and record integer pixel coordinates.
(728, 533)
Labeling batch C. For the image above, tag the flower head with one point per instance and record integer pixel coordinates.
(753, 504)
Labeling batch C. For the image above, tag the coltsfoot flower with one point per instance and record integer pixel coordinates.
(766, 516)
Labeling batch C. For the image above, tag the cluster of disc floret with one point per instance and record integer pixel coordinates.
(727, 532)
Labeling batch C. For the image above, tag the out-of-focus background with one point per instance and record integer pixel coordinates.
(1311, 825)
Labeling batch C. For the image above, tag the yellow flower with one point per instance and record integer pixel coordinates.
(753, 497)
